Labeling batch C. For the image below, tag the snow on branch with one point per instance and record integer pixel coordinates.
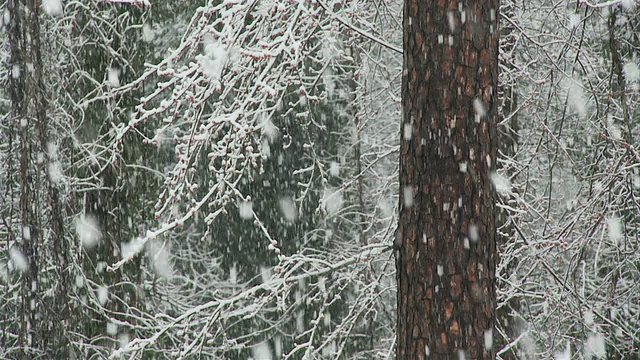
(145, 3)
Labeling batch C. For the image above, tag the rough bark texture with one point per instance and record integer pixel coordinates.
(446, 245)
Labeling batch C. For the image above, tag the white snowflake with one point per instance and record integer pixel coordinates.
(575, 97)
(52, 7)
(147, 33)
(566, 354)
(595, 346)
(288, 209)
(113, 77)
(332, 200)
(20, 261)
(160, 257)
(501, 183)
(474, 233)
(88, 231)
(132, 248)
(112, 329)
(407, 196)
(334, 169)
(488, 339)
(102, 293)
(245, 209)
(261, 351)
(614, 229)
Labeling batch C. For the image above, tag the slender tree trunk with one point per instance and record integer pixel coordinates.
(42, 318)
(27, 244)
(446, 245)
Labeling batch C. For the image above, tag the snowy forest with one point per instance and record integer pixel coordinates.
(219, 179)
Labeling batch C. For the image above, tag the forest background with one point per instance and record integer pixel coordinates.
(190, 179)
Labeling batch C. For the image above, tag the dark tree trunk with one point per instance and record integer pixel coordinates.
(43, 319)
(446, 245)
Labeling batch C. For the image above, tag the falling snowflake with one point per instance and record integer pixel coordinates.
(113, 76)
(288, 209)
(20, 261)
(88, 231)
(595, 347)
(159, 254)
(332, 201)
(334, 169)
(501, 183)
(147, 33)
(261, 351)
(102, 293)
(245, 209)
(52, 7)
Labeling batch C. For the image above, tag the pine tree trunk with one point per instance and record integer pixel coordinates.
(446, 245)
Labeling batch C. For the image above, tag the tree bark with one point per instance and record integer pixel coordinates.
(446, 240)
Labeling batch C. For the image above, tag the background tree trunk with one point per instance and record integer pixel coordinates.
(446, 245)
